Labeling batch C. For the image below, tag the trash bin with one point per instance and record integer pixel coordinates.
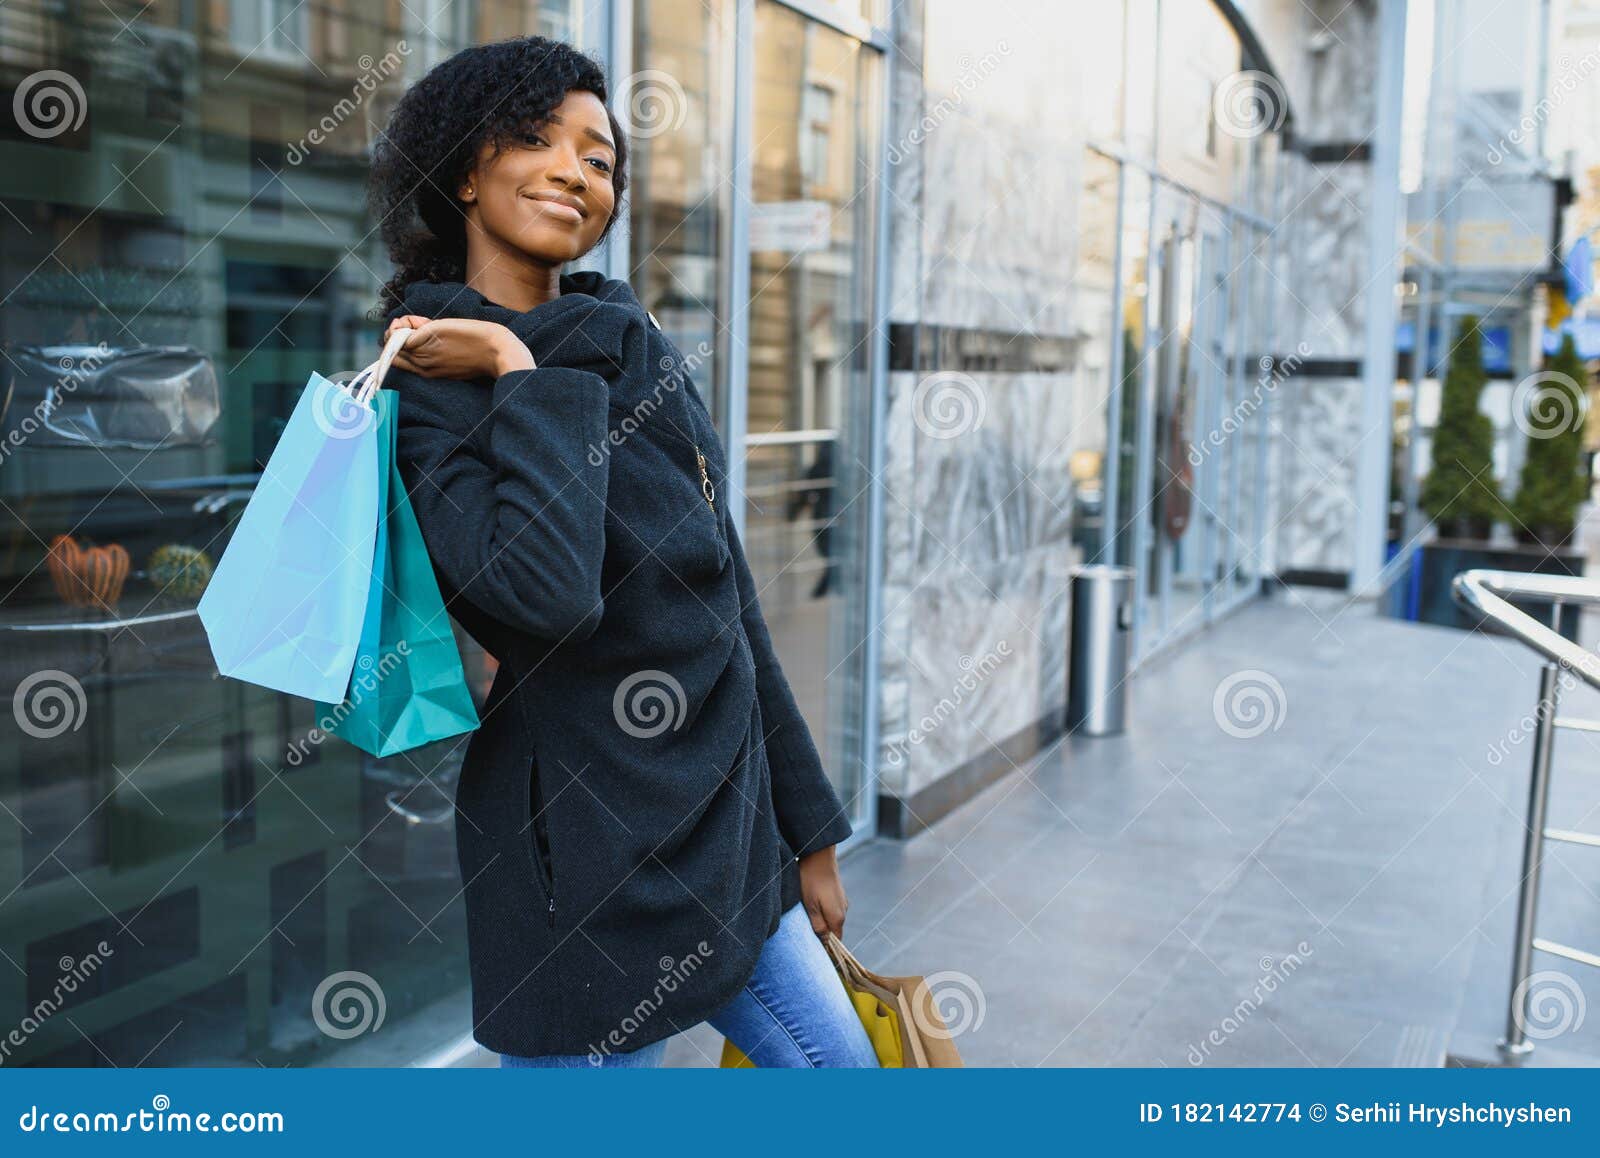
(1102, 618)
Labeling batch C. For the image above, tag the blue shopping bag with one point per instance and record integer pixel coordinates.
(285, 606)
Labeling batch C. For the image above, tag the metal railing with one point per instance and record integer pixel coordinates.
(1494, 595)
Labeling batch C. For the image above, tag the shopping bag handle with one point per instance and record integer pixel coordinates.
(367, 383)
(844, 960)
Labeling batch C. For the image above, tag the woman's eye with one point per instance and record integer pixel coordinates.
(534, 139)
(601, 163)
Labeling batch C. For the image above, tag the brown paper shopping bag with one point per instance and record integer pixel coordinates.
(898, 1013)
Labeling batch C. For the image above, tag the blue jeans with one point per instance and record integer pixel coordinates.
(794, 1013)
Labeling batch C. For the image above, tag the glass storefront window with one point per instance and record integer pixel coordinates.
(866, 9)
(1222, 437)
(1133, 408)
(210, 204)
(1172, 480)
(680, 154)
(807, 429)
(1230, 378)
(1261, 376)
(1186, 466)
(1189, 489)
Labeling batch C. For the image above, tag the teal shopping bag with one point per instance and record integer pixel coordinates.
(408, 687)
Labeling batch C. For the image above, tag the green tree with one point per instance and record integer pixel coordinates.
(1552, 483)
(1460, 485)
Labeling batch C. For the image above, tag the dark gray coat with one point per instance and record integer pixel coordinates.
(631, 809)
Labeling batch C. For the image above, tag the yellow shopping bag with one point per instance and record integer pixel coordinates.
(898, 1013)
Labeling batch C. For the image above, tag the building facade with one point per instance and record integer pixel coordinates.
(978, 293)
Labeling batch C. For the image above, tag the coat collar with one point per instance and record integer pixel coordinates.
(595, 324)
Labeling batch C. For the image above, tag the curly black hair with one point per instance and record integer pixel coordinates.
(487, 94)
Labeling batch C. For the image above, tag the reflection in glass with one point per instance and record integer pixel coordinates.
(808, 391)
(1186, 484)
(1132, 368)
(1266, 371)
(1094, 285)
(1172, 503)
(677, 193)
(1224, 439)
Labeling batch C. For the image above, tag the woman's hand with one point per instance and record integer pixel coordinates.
(822, 892)
(458, 348)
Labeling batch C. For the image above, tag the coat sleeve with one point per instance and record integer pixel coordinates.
(810, 814)
(518, 532)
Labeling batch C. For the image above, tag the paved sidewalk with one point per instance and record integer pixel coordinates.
(1337, 889)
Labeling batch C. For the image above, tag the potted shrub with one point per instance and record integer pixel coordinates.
(1461, 495)
(1460, 492)
(1553, 485)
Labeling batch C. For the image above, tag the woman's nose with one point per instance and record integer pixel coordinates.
(566, 166)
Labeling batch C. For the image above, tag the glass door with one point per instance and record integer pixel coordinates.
(1170, 479)
(1204, 445)
(807, 382)
(1189, 512)
(1255, 378)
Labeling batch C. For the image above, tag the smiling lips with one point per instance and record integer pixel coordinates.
(561, 209)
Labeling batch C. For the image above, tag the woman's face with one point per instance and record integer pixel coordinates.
(549, 196)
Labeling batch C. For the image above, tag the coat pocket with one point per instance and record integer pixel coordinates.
(668, 479)
(538, 843)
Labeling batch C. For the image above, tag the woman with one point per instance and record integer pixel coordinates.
(645, 831)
